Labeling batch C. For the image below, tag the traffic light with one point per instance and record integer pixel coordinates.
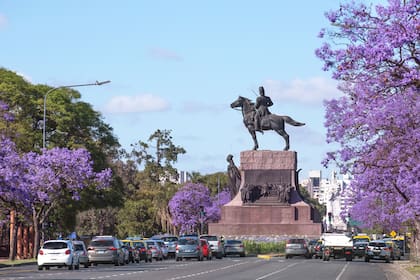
(329, 217)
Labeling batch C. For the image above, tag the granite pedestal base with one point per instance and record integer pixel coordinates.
(295, 217)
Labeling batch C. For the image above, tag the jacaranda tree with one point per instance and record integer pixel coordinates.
(34, 184)
(374, 53)
(193, 205)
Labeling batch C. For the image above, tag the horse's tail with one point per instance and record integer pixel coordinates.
(291, 121)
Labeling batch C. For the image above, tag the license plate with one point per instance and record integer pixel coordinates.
(100, 252)
(376, 257)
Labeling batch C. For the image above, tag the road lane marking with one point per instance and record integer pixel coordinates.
(206, 271)
(277, 271)
(342, 271)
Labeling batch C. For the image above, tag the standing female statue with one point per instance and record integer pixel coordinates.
(234, 176)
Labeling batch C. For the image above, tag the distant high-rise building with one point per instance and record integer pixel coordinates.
(183, 177)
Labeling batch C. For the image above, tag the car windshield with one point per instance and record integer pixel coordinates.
(55, 245)
(377, 244)
(233, 242)
(185, 241)
(170, 239)
(101, 243)
(296, 241)
(78, 247)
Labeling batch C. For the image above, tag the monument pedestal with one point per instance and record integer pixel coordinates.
(267, 212)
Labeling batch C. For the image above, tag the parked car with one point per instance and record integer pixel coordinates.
(378, 250)
(154, 247)
(105, 249)
(144, 253)
(395, 250)
(311, 246)
(206, 249)
(80, 248)
(216, 244)
(58, 253)
(234, 247)
(189, 247)
(296, 247)
(359, 248)
(170, 241)
(163, 247)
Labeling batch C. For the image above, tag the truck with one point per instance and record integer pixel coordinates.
(337, 245)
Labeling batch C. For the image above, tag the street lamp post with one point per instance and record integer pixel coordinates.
(60, 87)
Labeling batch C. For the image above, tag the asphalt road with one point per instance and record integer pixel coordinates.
(251, 268)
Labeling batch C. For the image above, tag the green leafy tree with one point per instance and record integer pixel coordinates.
(157, 182)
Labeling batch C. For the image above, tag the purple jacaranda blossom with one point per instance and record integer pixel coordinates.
(187, 204)
(375, 56)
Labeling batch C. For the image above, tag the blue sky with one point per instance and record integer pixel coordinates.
(178, 65)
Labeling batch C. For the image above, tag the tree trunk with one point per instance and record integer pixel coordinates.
(25, 242)
(19, 242)
(13, 232)
(31, 241)
(36, 233)
(415, 242)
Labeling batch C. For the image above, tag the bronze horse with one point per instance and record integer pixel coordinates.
(270, 122)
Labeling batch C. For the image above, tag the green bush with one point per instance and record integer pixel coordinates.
(253, 247)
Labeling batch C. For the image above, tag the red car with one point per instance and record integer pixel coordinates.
(206, 249)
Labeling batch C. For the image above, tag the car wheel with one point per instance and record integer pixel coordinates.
(366, 259)
(39, 267)
(86, 265)
(47, 268)
(387, 260)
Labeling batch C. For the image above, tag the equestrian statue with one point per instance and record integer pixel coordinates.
(257, 117)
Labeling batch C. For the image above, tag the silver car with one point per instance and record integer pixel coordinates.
(234, 247)
(378, 250)
(171, 241)
(80, 248)
(296, 247)
(105, 249)
(156, 250)
(189, 247)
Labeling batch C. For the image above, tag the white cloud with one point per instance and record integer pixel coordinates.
(164, 54)
(136, 104)
(3, 21)
(311, 91)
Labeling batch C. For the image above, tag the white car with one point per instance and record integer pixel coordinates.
(58, 253)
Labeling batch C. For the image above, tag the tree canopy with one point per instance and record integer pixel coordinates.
(193, 205)
(374, 53)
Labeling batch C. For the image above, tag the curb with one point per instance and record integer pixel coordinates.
(2, 265)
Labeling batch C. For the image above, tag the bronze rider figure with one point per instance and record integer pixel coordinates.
(262, 103)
